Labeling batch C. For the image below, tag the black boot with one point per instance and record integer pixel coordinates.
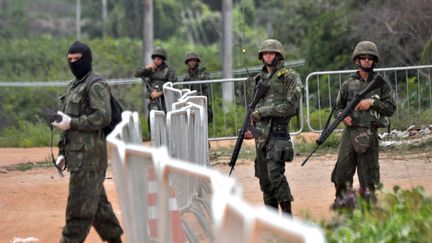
(271, 205)
(115, 240)
(368, 195)
(286, 207)
(345, 200)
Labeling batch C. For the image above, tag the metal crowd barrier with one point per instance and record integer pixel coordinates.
(412, 88)
(149, 211)
(187, 140)
(242, 96)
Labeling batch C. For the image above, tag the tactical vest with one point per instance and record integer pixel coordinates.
(369, 118)
(159, 78)
(275, 95)
(84, 150)
(199, 75)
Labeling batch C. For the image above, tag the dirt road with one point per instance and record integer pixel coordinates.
(32, 203)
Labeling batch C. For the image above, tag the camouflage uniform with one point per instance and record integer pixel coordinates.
(199, 74)
(157, 78)
(272, 141)
(359, 145)
(84, 148)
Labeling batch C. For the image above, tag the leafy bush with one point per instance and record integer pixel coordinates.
(400, 216)
(28, 134)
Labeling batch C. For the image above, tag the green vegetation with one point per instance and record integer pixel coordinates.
(35, 35)
(29, 166)
(400, 216)
(28, 135)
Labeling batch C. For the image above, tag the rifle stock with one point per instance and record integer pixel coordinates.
(260, 89)
(376, 82)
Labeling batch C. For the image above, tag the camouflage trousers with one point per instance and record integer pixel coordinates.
(88, 205)
(270, 170)
(359, 149)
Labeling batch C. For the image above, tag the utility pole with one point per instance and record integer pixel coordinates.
(147, 31)
(227, 62)
(78, 19)
(104, 18)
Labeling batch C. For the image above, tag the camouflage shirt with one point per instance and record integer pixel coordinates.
(280, 102)
(198, 75)
(383, 106)
(157, 78)
(83, 145)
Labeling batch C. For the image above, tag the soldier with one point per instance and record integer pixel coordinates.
(158, 72)
(85, 111)
(194, 73)
(270, 125)
(359, 143)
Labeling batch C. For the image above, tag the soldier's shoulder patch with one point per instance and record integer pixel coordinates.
(282, 72)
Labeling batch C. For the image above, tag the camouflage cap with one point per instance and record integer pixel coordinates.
(192, 55)
(366, 48)
(271, 45)
(160, 52)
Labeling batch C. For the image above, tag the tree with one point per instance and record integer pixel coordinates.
(400, 28)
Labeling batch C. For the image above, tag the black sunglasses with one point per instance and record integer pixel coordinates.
(372, 58)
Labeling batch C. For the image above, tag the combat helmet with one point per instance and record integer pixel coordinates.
(271, 45)
(192, 55)
(160, 52)
(366, 48)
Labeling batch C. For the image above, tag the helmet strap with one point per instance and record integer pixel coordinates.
(365, 69)
(274, 63)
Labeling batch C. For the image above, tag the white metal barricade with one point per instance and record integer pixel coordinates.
(234, 219)
(158, 128)
(171, 95)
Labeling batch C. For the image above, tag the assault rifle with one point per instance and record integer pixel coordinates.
(157, 100)
(376, 82)
(260, 89)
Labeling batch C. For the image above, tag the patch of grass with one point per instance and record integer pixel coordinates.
(247, 152)
(331, 145)
(27, 134)
(29, 166)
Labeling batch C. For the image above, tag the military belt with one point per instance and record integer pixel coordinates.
(280, 131)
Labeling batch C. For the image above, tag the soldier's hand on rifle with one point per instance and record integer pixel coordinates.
(64, 124)
(364, 105)
(256, 116)
(155, 94)
(347, 121)
(248, 135)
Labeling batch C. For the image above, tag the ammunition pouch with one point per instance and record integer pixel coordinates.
(280, 143)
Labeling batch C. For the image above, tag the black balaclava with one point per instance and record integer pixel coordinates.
(83, 66)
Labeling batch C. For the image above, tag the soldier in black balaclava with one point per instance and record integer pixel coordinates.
(85, 110)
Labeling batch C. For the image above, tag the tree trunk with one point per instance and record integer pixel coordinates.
(78, 19)
(147, 31)
(104, 18)
(227, 38)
